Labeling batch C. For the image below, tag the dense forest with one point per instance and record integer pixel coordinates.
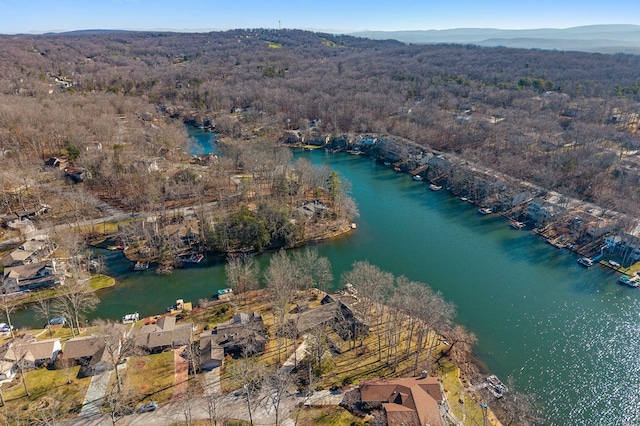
(563, 120)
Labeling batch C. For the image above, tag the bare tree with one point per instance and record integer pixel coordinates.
(374, 286)
(315, 271)
(317, 347)
(187, 401)
(8, 307)
(19, 352)
(518, 408)
(118, 402)
(242, 272)
(249, 374)
(278, 384)
(217, 406)
(280, 277)
(119, 343)
(75, 301)
(460, 348)
(42, 309)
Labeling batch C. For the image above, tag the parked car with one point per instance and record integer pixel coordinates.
(58, 321)
(5, 328)
(148, 407)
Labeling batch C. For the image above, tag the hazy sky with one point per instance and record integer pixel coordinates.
(20, 16)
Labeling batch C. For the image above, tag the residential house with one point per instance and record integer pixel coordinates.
(57, 162)
(414, 401)
(32, 276)
(33, 353)
(32, 212)
(244, 334)
(89, 353)
(312, 208)
(8, 370)
(29, 252)
(335, 312)
(541, 211)
(211, 354)
(164, 334)
(76, 174)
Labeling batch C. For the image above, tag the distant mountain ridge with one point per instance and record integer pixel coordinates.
(616, 38)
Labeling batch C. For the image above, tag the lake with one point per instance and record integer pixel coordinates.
(568, 334)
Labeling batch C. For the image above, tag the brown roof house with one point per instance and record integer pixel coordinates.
(164, 334)
(211, 353)
(31, 277)
(245, 334)
(28, 252)
(89, 353)
(336, 312)
(415, 401)
(34, 353)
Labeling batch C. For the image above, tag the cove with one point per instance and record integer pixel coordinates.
(567, 334)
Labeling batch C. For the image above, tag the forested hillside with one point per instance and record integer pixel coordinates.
(566, 121)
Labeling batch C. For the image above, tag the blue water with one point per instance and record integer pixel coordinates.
(568, 334)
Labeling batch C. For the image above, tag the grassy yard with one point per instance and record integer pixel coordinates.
(48, 391)
(328, 416)
(151, 376)
(100, 281)
(464, 406)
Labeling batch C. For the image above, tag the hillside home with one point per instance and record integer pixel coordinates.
(164, 334)
(211, 354)
(88, 352)
(76, 174)
(334, 312)
(32, 276)
(30, 251)
(541, 211)
(33, 354)
(57, 162)
(412, 401)
(244, 334)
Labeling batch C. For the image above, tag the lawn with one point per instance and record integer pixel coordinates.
(100, 281)
(151, 376)
(469, 411)
(329, 416)
(49, 393)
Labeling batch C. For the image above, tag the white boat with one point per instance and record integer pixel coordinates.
(194, 258)
(485, 210)
(131, 318)
(435, 187)
(630, 281)
(614, 264)
(418, 178)
(141, 266)
(517, 225)
(586, 262)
